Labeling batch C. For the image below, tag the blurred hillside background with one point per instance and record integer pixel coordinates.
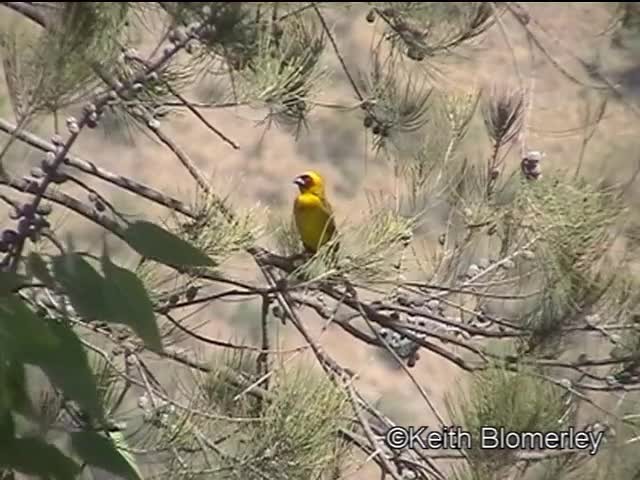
(562, 121)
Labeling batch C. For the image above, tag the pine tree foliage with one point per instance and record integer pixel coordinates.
(517, 401)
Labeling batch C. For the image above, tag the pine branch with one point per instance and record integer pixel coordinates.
(67, 201)
(30, 11)
(93, 169)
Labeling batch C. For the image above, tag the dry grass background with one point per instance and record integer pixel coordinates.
(337, 145)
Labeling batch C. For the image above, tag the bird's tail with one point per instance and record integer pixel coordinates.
(333, 253)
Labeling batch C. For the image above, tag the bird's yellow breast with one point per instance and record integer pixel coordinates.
(314, 221)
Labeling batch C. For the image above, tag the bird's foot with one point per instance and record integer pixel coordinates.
(299, 259)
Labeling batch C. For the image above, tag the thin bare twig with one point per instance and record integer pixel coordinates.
(181, 155)
(200, 117)
(263, 357)
(220, 343)
(337, 52)
(389, 469)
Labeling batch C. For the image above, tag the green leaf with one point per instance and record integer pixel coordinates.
(99, 451)
(16, 387)
(130, 303)
(37, 267)
(54, 348)
(32, 456)
(120, 442)
(118, 297)
(68, 368)
(9, 282)
(83, 284)
(156, 243)
(7, 427)
(27, 334)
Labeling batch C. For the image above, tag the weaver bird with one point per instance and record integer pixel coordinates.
(312, 212)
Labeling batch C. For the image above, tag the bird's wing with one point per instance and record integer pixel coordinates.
(315, 220)
(331, 223)
(331, 229)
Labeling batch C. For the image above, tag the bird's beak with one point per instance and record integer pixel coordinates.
(298, 181)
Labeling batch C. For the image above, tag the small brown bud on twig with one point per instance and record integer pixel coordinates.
(371, 16)
(45, 210)
(191, 48)
(530, 165)
(72, 125)
(59, 178)
(92, 121)
(528, 255)
(192, 292)
(27, 210)
(9, 236)
(416, 53)
(178, 35)
(473, 270)
(413, 359)
(508, 265)
(368, 121)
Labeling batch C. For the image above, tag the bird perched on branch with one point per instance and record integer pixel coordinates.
(312, 212)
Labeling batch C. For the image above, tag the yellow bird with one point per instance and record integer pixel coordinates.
(312, 212)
